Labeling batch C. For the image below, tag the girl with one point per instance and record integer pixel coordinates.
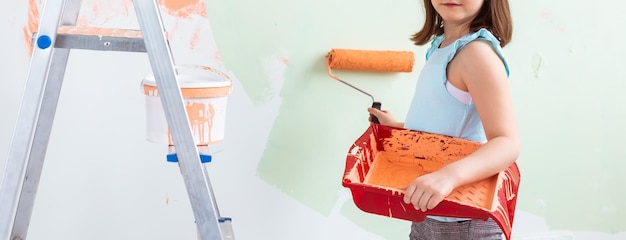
(462, 91)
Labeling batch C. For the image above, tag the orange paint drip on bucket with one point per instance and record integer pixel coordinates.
(205, 91)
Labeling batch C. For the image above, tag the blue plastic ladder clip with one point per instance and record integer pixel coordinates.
(204, 158)
(44, 41)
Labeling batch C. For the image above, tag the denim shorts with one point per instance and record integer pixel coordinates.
(431, 229)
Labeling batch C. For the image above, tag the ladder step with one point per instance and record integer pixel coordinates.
(100, 39)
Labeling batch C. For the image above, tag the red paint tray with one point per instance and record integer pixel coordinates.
(384, 159)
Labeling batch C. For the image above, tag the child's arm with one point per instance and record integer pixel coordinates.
(482, 73)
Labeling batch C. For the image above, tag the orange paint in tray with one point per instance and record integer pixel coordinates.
(385, 159)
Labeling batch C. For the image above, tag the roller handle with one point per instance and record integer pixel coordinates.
(376, 105)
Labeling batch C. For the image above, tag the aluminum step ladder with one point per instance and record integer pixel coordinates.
(55, 37)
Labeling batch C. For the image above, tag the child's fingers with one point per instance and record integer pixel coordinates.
(408, 193)
(373, 112)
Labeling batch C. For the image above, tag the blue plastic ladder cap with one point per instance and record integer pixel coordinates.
(204, 158)
(224, 219)
(44, 42)
(172, 157)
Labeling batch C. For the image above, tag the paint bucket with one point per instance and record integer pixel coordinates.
(205, 92)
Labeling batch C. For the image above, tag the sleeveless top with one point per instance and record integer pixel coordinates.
(433, 109)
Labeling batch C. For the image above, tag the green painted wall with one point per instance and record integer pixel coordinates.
(566, 75)
(568, 85)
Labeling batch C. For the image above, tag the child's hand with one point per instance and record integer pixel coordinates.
(384, 117)
(427, 191)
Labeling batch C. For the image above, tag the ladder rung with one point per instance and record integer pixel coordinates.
(101, 39)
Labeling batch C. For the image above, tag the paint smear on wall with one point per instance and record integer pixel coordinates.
(275, 69)
(184, 8)
(193, 42)
(293, 159)
(537, 64)
(551, 20)
(96, 13)
(184, 13)
(32, 23)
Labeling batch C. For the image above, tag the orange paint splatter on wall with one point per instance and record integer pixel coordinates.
(184, 8)
(33, 23)
(97, 13)
(194, 39)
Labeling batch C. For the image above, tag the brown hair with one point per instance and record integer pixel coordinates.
(494, 16)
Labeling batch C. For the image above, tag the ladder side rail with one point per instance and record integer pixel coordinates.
(159, 53)
(205, 171)
(40, 145)
(50, 99)
(225, 223)
(28, 116)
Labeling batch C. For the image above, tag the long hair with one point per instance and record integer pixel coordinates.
(494, 16)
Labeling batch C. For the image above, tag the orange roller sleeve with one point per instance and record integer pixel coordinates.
(371, 60)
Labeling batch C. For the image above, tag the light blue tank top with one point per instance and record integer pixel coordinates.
(433, 109)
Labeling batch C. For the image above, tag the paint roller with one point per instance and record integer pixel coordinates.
(369, 60)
